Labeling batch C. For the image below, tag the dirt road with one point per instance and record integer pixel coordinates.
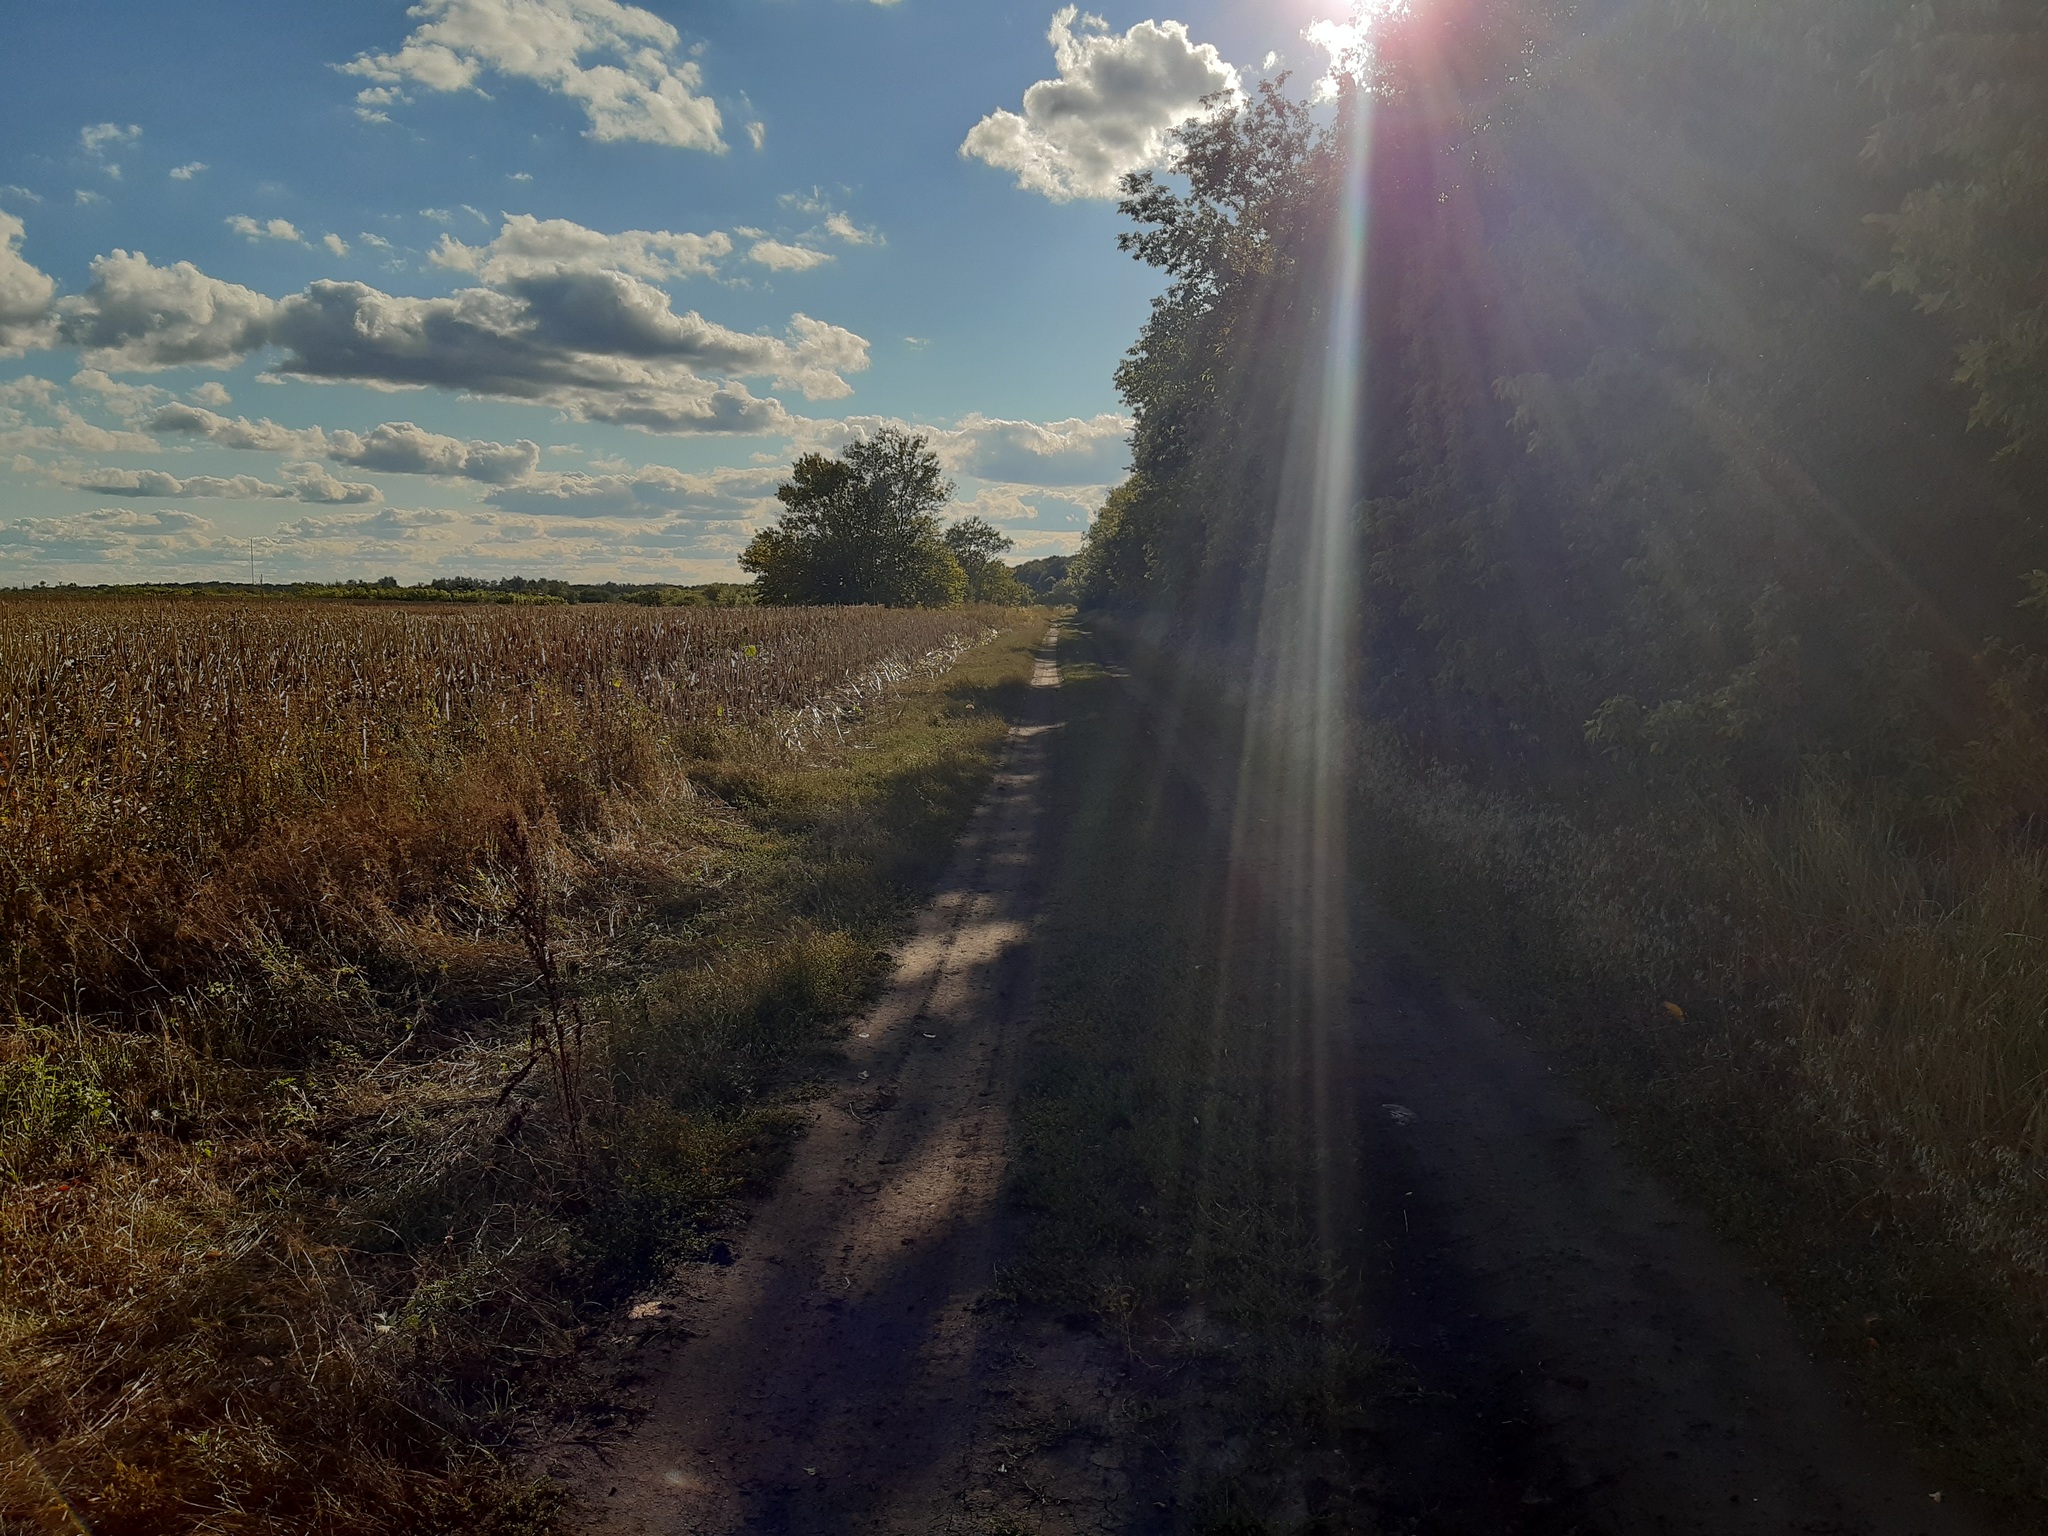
(1568, 1350)
(823, 1380)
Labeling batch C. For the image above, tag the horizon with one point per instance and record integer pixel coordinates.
(560, 287)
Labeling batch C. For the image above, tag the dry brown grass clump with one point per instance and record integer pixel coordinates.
(386, 990)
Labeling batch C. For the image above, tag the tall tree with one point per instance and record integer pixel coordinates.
(861, 528)
(976, 543)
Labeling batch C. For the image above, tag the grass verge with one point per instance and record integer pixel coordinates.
(1823, 1032)
(1165, 1152)
(280, 1261)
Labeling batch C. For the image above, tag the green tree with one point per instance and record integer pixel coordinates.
(975, 544)
(861, 528)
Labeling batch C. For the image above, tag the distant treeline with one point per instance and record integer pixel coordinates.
(1046, 580)
(446, 589)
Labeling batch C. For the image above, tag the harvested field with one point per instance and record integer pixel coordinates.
(384, 990)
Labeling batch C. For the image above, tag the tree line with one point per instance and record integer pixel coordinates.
(1704, 386)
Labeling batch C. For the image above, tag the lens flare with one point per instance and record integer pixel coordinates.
(1349, 43)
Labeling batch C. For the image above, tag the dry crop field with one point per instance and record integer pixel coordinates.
(380, 988)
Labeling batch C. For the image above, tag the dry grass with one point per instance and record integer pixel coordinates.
(389, 989)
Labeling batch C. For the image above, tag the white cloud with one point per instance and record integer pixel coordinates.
(599, 345)
(26, 195)
(26, 321)
(400, 448)
(335, 243)
(71, 432)
(310, 485)
(526, 245)
(777, 257)
(733, 494)
(85, 198)
(757, 135)
(112, 535)
(99, 137)
(840, 227)
(188, 171)
(275, 229)
(1056, 457)
(375, 242)
(265, 436)
(136, 317)
(551, 327)
(638, 89)
(213, 393)
(1112, 111)
(1075, 452)
(395, 448)
(169, 543)
(130, 402)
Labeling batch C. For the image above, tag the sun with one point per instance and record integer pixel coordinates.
(1349, 42)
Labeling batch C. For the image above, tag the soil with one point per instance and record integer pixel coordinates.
(1569, 1349)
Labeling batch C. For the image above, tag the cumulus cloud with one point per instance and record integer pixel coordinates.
(312, 484)
(180, 420)
(526, 246)
(214, 393)
(65, 431)
(187, 171)
(130, 402)
(335, 243)
(777, 257)
(100, 137)
(26, 320)
(166, 542)
(599, 345)
(135, 316)
(400, 448)
(273, 229)
(1078, 454)
(654, 491)
(1075, 452)
(634, 86)
(112, 534)
(1111, 111)
(395, 448)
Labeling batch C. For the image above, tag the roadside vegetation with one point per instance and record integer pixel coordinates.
(1696, 627)
(388, 991)
(1170, 1153)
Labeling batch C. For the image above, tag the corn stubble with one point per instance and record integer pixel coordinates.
(339, 951)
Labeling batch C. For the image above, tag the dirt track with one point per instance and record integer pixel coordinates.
(824, 1380)
(1571, 1351)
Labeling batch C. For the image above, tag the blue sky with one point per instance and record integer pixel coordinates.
(561, 286)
